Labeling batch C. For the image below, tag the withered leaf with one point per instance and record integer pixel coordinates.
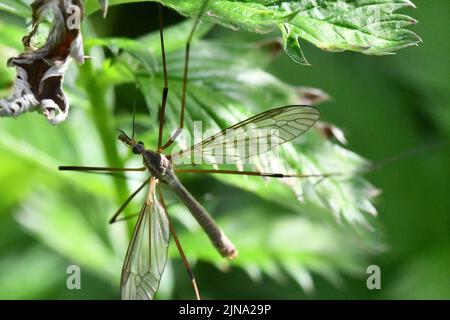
(40, 71)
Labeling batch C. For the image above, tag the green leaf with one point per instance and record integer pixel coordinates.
(15, 270)
(420, 277)
(292, 44)
(366, 26)
(17, 7)
(62, 232)
(8, 35)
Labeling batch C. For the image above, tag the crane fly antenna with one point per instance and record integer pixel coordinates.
(121, 131)
(134, 121)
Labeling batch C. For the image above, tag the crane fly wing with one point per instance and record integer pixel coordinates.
(271, 128)
(147, 252)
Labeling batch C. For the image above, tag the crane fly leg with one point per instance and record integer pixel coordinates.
(180, 249)
(125, 204)
(185, 79)
(166, 84)
(99, 169)
(259, 174)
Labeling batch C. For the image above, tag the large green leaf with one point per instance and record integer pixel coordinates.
(17, 7)
(367, 26)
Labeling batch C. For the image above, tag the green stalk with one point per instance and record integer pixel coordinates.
(97, 88)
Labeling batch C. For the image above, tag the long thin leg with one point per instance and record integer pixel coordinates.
(180, 249)
(126, 217)
(261, 174)
(368, 168)
(166, 84)
(185, 76)
(107, 173)
(125, 204)
(99, 169)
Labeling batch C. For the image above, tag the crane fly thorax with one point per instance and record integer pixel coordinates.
(157, 163)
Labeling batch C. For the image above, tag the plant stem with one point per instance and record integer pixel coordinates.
(96, 89)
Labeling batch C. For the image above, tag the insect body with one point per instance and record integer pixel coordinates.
(162, 170)
(147, 253)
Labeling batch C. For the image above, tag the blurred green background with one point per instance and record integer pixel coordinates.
(385, 105)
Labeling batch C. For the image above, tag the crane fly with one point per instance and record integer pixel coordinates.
(146, 255)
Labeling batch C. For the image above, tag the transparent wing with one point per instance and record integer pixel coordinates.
(251, 137)
(147, 253)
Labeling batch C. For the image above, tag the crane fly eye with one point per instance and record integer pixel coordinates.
(138, 148)
(141, 143)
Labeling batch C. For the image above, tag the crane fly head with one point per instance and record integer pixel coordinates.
(136, 147)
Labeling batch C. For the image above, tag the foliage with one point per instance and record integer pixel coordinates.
(367, 26)
(284, 231)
